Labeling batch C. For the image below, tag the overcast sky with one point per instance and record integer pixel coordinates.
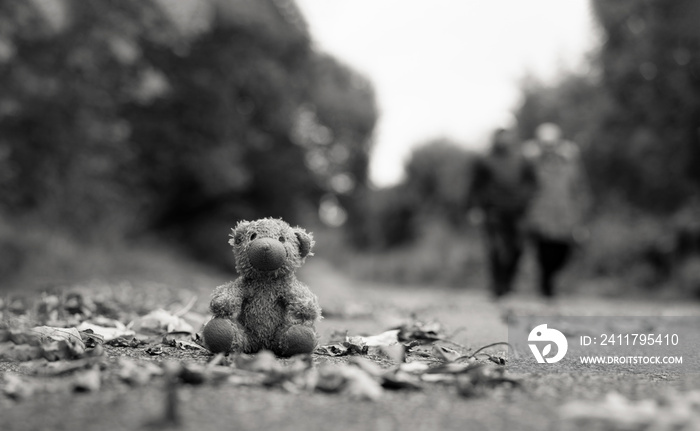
(447, 67)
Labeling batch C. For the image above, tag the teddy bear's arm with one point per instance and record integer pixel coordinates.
(226, 300)
(303, 305)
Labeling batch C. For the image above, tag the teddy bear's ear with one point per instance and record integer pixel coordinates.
(238, 233)
(306, 242)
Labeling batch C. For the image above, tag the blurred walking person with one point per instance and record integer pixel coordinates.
(555, 218)
(502, 186)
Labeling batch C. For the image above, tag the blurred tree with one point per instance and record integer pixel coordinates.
(67, 67)
(437, 175)
(635, 113)
(438, 172)
(336, 129)
(265, 126)
(220, 141)
(650, 63)
(390, 218)
(123, 116)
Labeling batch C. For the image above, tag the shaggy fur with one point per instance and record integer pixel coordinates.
(270, 309)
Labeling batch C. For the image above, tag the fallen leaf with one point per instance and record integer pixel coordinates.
(352, 346)
(159, 321)
(415, 367)
(480, 378)
(420, 331)
(91, 339)
(445, 354)
(108, 333)
(137, 374)
(155, 350)
(398, 379)
(63, 349)
(56, 334)
(181, 340)
(126, 342)
(336, 349)
(355, 345)
(386, 338)
(348, 380)
(263, 361)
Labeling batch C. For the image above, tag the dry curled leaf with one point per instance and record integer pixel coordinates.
(352, 346)
(386, 338)
(135, 373)
(126, 342)
(91, 339)
(422, 332)
(349, 380)
(160, 321)
(398, 379)
(181, 340)
(337, 349)
(115, 330)
(48, 334)
(43, 341)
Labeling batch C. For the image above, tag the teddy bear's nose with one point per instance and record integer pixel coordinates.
(266, 254)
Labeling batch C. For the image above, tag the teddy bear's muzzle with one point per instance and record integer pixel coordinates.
(266, 254)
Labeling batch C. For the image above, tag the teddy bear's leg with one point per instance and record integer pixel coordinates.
(222, 336)
(295, 340)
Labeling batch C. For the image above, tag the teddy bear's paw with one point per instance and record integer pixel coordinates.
(296, 340)
(221, 335)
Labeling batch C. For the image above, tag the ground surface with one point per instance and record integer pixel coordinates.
(470, 317)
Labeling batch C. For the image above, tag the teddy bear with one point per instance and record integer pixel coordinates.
(266, 307)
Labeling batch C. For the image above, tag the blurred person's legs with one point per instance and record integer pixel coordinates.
(552, 256)
(505, 246)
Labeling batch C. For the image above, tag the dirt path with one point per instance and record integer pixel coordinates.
(369, 308)
(478, 319)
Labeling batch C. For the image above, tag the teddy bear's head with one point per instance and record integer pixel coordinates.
(269, 248)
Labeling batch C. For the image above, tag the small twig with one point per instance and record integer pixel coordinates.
(473, 355)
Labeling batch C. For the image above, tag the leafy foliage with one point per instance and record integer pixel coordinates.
(437, 176)
(635, 111)
(119, 118)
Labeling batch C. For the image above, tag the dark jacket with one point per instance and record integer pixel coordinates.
(503, 182)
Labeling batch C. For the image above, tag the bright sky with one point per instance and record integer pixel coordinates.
(447, 68)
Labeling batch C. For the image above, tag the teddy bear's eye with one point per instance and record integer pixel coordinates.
(253, 236)
(281, 239)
